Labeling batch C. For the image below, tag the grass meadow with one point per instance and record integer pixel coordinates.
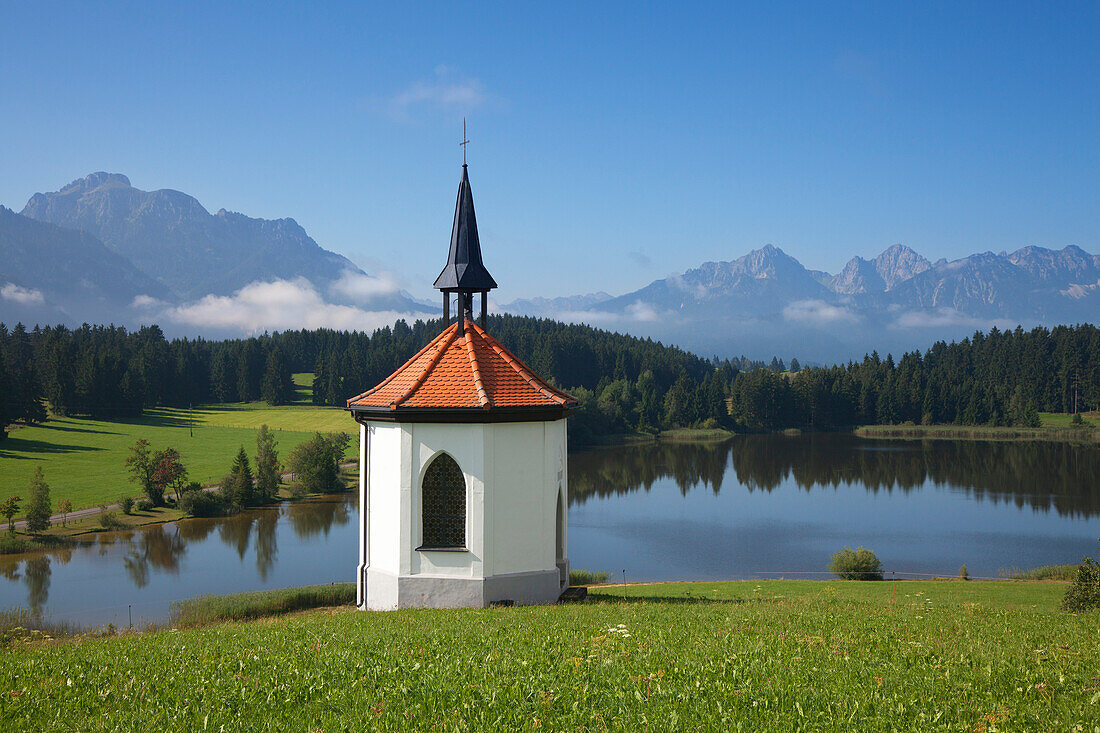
(768, 655)
(83, 459)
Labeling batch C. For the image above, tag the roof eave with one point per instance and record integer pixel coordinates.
(461, 414)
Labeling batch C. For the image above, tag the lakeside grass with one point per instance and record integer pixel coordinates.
(687, 435)
(1044, 572)
(1053, 431)
(768, 655)
(209, 609)
(83, 459)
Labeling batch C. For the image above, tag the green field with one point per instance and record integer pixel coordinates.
(1065, 420)
(1054, 426)
(83, 459)
(769, 655)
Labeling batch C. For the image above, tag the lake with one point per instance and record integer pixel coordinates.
(752, 507)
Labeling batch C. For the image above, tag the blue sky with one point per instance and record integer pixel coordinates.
(610, 145)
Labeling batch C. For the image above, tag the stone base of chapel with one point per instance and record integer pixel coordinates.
(386, 592)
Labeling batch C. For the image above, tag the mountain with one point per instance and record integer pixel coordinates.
(897, 264)
(766, 302)
(51, 274)
(760, 282)
(542, 306)
(174, 239)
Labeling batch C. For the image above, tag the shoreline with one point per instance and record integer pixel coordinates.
(1086, 435)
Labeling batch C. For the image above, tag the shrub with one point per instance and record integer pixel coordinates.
(858, 564)
(13, 545)
(199, 503)
(126, 504)
(109, 520)
(963, 575)
(1084, 594)
(587, 577)
(316, 464)
(144, 505)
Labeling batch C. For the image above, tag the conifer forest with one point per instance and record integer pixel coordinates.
(624, 384)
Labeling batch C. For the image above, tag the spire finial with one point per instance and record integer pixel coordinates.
(465, 141)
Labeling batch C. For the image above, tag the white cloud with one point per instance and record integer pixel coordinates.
(636, 312)
(817, 313)
(21, 295)
(145, 302)
(447, 90)
(946, 317)
(278, 305)
(698, 291)
(360, 288)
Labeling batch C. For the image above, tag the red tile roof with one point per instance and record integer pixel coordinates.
(454, 371)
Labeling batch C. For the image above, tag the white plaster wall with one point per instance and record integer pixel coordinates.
(465, 442)
(384, 496)
(513, 472)
(522, 492)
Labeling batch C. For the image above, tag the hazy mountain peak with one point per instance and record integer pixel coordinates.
(858, 276)
(1070, 263)
(96, 180)
(898, 263)
(170, 235)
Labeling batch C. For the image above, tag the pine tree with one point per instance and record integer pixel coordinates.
(277, 387)
(267, 465)
(239, 486)
(38, 508)
(5, 390)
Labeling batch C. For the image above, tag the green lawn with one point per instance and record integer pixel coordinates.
(83, 460)
(1065, 420)
(769, 655)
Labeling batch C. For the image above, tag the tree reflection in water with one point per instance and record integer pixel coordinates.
(317, 516)
(235, 531)
(1038, 475)
(160, 547)
(36, 574)
(266, 543)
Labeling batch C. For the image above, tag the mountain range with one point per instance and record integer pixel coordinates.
(101, 250)
(766, 302)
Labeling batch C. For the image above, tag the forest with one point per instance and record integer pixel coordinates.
(624, 384)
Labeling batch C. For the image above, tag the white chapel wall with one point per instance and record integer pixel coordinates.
(465, 442)
(385, 496)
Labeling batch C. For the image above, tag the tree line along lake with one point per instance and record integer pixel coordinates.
(754, 506)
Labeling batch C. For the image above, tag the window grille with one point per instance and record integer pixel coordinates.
(444, 504)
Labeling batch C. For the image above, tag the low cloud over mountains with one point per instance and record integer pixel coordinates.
(767, 303)
(101, 250)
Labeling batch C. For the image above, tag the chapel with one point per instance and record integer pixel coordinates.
(462, 462)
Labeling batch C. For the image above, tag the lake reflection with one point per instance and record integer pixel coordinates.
(770, 505)
(93, 583)
(755, 506)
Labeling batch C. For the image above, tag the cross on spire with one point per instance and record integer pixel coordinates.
(465, 141)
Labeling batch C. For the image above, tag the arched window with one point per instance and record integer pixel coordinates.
(444, 505)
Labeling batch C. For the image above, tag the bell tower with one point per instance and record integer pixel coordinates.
(464, 274)
(462, 462)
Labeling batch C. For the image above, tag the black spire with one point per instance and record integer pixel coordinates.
(464, 272)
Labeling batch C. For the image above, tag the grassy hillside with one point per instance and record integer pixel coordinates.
(773, 655)
(83, 459)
